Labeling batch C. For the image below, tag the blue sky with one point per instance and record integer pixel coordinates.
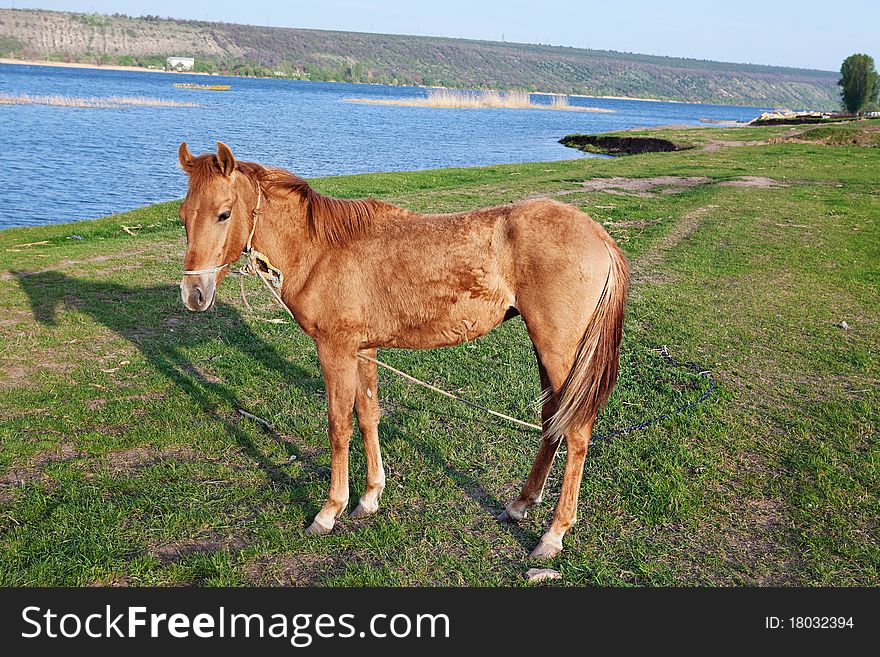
(805, 33)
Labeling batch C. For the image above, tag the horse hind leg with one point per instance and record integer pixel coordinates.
(576, 441)
(554, 367)
(368, 413)
(533, 489)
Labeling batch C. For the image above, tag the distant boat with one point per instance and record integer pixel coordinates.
(206, 87)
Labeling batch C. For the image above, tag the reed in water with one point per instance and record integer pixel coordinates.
(91, 102)
(485, 99)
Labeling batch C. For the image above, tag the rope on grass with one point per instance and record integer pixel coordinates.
(664, 354)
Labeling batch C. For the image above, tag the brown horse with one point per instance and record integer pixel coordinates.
(363, 274)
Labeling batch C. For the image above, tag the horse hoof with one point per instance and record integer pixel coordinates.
(507, 516)
(360, 511)
(317, 530)
(545, 551)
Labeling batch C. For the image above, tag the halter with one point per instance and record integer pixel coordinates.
(257, 263)
(247, 249)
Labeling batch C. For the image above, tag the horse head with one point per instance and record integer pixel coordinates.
(217, 217)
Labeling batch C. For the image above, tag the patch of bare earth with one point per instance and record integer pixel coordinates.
(13, 376)
(202, 374)
(131, 460)
(125, 462)
(19, 477)
(753, 181)
(61, 358)
(714, 145)
(115, 581)
(864, 137)
(635, 223)
(19, 376)
(208, 542)
(94, 404)
(642, 187)
(287, 569)
(651, 187)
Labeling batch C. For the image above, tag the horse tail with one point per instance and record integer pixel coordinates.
(594, 371)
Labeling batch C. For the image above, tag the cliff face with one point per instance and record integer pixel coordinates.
(357, 57)
(45, 33)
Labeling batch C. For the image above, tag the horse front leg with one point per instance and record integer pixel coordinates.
(339, 366)
(367, 406)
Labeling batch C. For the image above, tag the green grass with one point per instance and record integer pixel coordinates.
(123, 459)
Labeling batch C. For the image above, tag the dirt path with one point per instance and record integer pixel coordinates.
(714, 145)
(647, 268)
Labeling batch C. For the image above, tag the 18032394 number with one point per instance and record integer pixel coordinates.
(820, 622)
(808, 623)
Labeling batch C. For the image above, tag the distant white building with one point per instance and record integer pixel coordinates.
(181, 63)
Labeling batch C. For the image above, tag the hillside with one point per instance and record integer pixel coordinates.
(392, 59)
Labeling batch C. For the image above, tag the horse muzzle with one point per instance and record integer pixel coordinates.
(198, 292)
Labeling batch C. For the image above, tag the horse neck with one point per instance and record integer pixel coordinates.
(282, 235)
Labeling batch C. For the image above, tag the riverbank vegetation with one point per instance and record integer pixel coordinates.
(125, 458)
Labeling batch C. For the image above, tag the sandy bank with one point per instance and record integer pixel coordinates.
(106, 67)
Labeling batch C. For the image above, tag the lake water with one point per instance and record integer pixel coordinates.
(60, 164)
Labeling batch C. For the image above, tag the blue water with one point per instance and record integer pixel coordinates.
(61, 164)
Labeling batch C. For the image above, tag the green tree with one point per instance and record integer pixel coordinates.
(860, 83)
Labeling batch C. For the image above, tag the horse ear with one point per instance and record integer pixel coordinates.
(225, 159)
(186, 158)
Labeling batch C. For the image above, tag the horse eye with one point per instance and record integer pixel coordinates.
(224, 216)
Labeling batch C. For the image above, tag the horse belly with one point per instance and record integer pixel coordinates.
(449, 321)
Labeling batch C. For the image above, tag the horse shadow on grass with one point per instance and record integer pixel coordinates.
(152, 319)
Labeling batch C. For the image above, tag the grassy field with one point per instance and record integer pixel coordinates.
(124, 460)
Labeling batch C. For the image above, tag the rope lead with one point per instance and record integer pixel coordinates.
(662, 351)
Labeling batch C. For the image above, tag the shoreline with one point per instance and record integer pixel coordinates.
(106, 67)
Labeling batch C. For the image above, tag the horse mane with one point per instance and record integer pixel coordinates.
(331, 220)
